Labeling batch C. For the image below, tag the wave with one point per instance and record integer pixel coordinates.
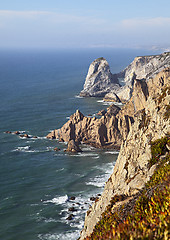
(112, 152)
(28, 149)
(93, 155)
(71, 235)
(58, 200)
(60, 170)
(78, 96)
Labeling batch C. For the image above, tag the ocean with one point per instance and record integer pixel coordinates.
(41, 188)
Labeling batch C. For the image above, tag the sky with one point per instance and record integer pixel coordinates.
(84, 23)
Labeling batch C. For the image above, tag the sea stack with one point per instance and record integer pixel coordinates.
(99, 80)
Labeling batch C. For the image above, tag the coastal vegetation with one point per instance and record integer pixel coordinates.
(146, 215)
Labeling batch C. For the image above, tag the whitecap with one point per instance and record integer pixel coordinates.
(71, 235)
(41, 138)
(68, 118)
(78, 96)
(60, 170)
(100, 101)
(112, 152)
(97, 182)
(58, 200)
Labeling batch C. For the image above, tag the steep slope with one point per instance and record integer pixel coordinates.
(99, 80)
(132, 169)
(144, 67)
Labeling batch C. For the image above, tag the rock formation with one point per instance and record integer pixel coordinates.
(73, 147)
(149, 107)
(99, 80)
(99, 132)
(111, 128)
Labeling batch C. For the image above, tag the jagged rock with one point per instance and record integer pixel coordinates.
(145, 67)
(99, 80)
(131, 170)
(97, 132)
(73, 147)
(101, 112)
(111, 97)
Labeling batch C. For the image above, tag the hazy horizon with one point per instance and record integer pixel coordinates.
(90, 24)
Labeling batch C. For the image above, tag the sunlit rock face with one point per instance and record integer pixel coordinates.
(99, 80)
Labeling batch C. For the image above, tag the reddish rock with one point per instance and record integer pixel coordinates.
(56, 149)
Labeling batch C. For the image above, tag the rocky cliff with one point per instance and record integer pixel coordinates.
(150, 109)
(99, 80)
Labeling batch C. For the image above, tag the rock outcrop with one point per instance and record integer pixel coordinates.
(98, 132)
(99, 80)
(149, 107)
(73, 147)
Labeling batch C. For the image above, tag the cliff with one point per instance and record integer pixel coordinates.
(101, 82)
(150, 109)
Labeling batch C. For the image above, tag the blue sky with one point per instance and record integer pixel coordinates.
(84, 23)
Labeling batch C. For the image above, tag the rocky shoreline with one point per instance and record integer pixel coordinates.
(149, 108)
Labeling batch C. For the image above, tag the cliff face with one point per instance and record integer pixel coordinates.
(149, 107)
(145, 67)
(99, 80)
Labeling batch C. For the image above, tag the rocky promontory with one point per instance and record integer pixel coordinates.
(135, 165)
(141, 173)
(99, 80)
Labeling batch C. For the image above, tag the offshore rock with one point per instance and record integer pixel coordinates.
(99, 80)
(73, 147)
(132, 170)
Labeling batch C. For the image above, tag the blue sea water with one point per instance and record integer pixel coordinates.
(39, 91)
